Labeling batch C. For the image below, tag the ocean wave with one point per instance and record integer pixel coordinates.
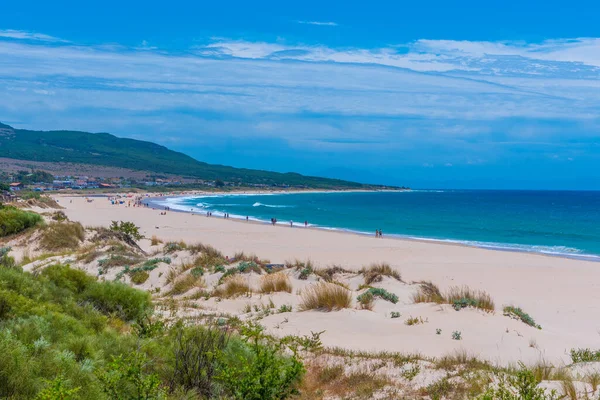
(258, 204)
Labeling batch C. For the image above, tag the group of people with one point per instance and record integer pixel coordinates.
(378, 233)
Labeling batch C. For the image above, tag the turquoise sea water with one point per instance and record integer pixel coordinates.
(563, 223)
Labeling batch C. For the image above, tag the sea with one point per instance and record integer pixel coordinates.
(560, 223)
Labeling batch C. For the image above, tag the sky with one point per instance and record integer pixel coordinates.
(430, 94)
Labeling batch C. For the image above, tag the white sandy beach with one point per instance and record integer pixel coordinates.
(562, 295)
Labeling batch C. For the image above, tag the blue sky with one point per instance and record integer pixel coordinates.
(428, 94)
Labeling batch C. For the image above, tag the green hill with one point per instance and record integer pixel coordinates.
(108, 150)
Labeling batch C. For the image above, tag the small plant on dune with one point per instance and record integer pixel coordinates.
(395, 314)
(518, 313)
(6, 261)
(522, 386)
(128, 228)
(197, 272)
(59, 216)
(305, 273)
(381, 293)
(220, 268)
(585, 355)
(326, 297)
(366, 301)
(249, 266)
(438, 331)
(410, 373)
(172, 247)
(154, 241)
(415, 321)
(428, 293)
(284, 308)
(61, 236)
(209, 261)
(277, 282)
(185, 284)
(205, 249)
(233, 286)
(376, 272)
(462, 297)
(305, 267)
(457, 335)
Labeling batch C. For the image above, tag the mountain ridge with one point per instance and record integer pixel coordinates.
(105, 149)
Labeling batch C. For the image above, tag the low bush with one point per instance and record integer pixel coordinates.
(119, 299)
(517, 313)
(278, 282)
(6, 261)
(62, 236)
(381, 293)
(129, 229)
(375, 273)
(14, 220)
(366, 301)
(139, 277)
(325, 297)
(522, 386)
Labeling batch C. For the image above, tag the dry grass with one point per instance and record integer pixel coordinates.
(185, 283)
(139, 277)
(205, 249)
(278, 282)
(325, 297)
(458, 296)
(375, 273)
(327, 274)
(233, 286)
(154, 241)
(428, 293)
(62, 236)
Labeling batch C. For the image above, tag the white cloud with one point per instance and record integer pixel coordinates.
(23, 35)
(318, 23)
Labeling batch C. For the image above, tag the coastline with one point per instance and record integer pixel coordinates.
(493, 246)
(539, 284)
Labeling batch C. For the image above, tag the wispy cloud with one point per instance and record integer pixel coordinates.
(318, 23)
(23, 35)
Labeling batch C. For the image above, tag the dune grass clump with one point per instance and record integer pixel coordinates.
(305, 267)
(205, 249)
(518, 313)
(462, 297)
(327, 274)
(185, 283)
(172, 247)
(233, 286)
(277, 282)
(155, 241)
(139, 277)
(428, 293)
(14, 220)
(375, 273)
(325, 297)
(62, 236)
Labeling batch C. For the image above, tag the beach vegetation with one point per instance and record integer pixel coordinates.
(129, 229)
(328, 274)
(585, 355)
(14, 220)
(415, 321)
(185, 283)
(233, 286)
(518, 313)
(209, 260)
(428, 293)
(438, 331)
(205, 249)
(172, 247)
(62, 236)
(59, 216)
(197, 272)
(375, 273)
(139, 277)
(395, 314)
(463, 296)
(306, 268)
(155, 241)
(277, 282)
(457, 335)
(285, 308)
(324, 296)
(381, 293)
(523, 385)
(6, 261)
(366, 301)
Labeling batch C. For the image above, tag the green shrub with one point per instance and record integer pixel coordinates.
(366, 300)
(14, 220)
(522, 386)
(517, 313)
(128, 228)
(115, 297)
(128, 377)
(6, 261)
(197, 272)
(76, 281)
(585, 355)
(381, 293)
(139, 277)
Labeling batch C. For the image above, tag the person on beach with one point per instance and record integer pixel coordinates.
(291, 224)
(376, 233)
(380, 234)
(305, 224)
(246, 218)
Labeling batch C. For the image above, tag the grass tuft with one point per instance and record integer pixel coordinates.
(61, 236)
(233, 286)
(185, 283)
(278, 282)
(376, 272)
(381, 293)
(463, 296)
(517, 313)
(428, 293)
(325, 297)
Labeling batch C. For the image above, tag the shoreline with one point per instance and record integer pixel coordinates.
(493, 246)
